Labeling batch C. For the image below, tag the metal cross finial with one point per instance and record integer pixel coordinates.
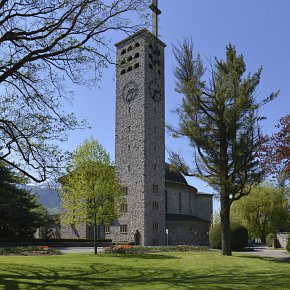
(156, 12)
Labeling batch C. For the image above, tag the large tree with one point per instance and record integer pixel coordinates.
(262, 212)
(218, 115)
(90, 189)
(20, 211)
(43, 44)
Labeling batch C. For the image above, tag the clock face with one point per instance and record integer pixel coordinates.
(155, 91)
(130, 91)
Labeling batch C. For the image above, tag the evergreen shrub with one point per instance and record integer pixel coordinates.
(239, 236)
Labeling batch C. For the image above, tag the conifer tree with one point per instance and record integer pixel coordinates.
(219, 117)
(20, 211)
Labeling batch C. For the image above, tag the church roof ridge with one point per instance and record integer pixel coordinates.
(179, 216)
(145, 31)
(204, 193)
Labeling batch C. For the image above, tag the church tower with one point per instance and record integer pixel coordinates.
(140, 137)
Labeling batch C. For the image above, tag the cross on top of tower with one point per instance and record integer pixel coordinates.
(155, 13)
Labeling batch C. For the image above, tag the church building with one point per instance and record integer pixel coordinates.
(160, 206)
(158, 200)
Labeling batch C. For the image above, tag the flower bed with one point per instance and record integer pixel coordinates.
(129, 249)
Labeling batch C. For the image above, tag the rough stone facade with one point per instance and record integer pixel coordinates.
(283, 238)
(188, 213)
(140, 147)
(69, 232)
(187, 232)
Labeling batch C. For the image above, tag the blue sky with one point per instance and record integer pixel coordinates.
(258, 28)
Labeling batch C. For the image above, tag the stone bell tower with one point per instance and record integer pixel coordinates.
(140, 148)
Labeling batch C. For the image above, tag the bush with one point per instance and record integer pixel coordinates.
(28, 250)
(239, 236)
(215, 238)
(269, 239)
(288, 244)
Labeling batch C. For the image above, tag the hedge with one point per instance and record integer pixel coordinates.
(239, 236)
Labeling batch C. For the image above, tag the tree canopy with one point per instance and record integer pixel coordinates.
(219, 117)
(43, 44)
(262, 212)
(275, 151)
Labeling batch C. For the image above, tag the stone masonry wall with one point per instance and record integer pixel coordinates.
(283, 238)
(187, 198)
(187, 232)
(204, 206)
(71, 232)
(139, 143)
(192, 203)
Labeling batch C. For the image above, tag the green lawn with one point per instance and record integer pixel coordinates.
(194, 270)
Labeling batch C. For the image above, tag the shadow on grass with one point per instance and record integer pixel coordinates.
(134, 275)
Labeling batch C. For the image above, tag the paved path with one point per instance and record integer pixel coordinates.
(75, 250)
(269, 252)
(258, 251)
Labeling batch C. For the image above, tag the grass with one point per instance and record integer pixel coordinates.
(190, 270)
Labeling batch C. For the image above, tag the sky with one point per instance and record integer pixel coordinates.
(259, 29)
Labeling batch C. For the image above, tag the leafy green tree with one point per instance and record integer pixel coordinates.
(218, 115)
(262, 212)
(45, 44)
(90, 189)
(20, 211)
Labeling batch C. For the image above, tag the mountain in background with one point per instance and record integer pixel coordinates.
(48, 197)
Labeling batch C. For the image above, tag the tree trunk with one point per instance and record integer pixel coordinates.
(226, 226)
(95, 237)
(263, 236)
